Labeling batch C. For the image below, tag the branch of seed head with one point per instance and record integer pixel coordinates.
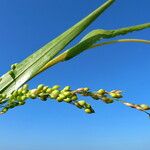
(141, 107)
(110, 97)
(19, 97)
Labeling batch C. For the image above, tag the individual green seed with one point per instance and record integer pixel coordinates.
(43, 96)
(20, 91)
(25, 87)
(74, 98)
(67, 93)
(101, 91)
(145, 107)
(40, 87)
(34, 91)
(66, 88)
(55, 93)
(114, 95)
(27, 95)
(82, 103)
(109, 100)
(61, 96)
(49, 90)
(78, 105)
(19, 98)
(24, 91)
(88, 111)
(45, 88)
(15, 93)
(13, 66)
(86, 89)
(94, 96)
(68, 100)
(105, 99)
(59, 99)
(21, 103)
(119, 95)
(53, 96)
(55, 87)
(23, 98)
(4, 110)
(11, 96)
(4, 95)
(87, 105)
(33, 96)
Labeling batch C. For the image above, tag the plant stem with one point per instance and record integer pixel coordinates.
(120, 41)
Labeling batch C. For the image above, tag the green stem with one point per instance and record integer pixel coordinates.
(121, 41)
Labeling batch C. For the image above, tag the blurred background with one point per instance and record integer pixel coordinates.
(27, 25)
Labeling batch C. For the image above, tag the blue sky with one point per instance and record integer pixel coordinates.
(26, 26)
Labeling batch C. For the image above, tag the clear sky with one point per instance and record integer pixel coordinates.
(25, 26)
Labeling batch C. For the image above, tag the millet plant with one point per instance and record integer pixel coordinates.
(15, 92)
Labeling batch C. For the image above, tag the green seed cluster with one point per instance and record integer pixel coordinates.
(20, 96)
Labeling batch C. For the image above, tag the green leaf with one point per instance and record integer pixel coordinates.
(90, 39)
(96, 35)
(106, 34)
(29, 67)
